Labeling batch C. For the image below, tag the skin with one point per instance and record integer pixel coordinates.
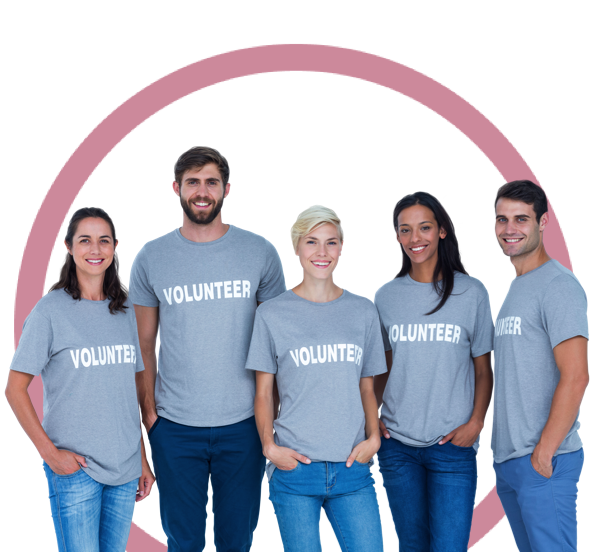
(516, 220)
(419, 235)
(204, 185)
(93, 241)
(319, 252)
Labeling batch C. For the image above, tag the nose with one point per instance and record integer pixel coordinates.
(510, 228)
(322, 250)
(415, 236)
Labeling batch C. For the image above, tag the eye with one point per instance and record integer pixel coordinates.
(404, 230)
(332, 243)
(425, 228)
(84, 240)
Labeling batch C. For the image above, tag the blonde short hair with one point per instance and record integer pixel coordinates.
(312, 218)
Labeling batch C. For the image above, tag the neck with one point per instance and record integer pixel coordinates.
(423, 272)
(318, 291)
(91, 288)
(526, 263)
(203, 232)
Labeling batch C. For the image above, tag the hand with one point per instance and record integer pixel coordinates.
(145, 482)
(364, 451)
(383, 430)
(149, 421)
(464, 435)
(65, 462)
(542, 462)
(284, 458)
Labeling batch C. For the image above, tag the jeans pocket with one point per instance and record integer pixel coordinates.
(156, 422)
(537, 473)
(289, 471)
(461, 448)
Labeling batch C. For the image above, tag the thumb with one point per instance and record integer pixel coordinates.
(352, 457)
(301, 458)
(81, 460)
(383, 430)
(448, 437)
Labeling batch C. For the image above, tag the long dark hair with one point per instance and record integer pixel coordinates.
(448, 254)
(111, 286)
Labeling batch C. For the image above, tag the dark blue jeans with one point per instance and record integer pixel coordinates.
(431, 491)
(184, 458)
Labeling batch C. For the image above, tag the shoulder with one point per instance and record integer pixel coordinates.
(53, 302)
(463, 282)
(283, 301)
(394, 286)
(562, 281)
(246, 238)
(359, 302)
(158, 244)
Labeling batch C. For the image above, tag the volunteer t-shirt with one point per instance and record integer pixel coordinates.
(543, 308)
(431, 386)
(87, 358)
(206, 294)
(319, 352)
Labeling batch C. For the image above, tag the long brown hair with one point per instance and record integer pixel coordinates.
(112, 287)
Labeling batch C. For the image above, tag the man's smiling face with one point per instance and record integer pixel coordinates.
(517, 229)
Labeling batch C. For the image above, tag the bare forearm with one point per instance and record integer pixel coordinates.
(145, 382)
(263, 412)
(563, 412)
(484, 383)
(369, 403)
(21, 404)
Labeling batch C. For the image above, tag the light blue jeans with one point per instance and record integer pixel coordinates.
(89, 516)
(347, 495)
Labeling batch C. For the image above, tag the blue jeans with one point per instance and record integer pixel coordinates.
(89, 516)
(431, 491)
(184, 458)
(542, 512)
(347, 495)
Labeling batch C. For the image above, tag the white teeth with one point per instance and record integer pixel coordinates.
(417, 248)
(513, 240)
(201, 204)
(98, 261)
(320, 264)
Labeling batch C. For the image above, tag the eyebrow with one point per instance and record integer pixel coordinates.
(425, 221)
(515, 216)
(212, 178)
(86, 236)
(313, 238)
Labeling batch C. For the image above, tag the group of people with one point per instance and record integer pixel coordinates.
(248, 371)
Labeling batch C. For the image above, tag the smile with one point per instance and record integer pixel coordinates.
(512, 240)
(94, 262)
(417, 249)
(321, 264)
(201, 205)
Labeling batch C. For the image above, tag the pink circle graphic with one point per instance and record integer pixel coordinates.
(241, 63)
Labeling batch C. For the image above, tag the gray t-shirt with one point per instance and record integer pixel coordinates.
(207, 295)
(430, 390)
(87, 358)
(319, 352)
(543, 308)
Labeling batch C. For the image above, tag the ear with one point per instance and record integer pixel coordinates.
(443, 233)
(67, 246)
(544, 220)
(176, 187)
(341, 246)
(116, 243)
(398, 237)
(226, 190)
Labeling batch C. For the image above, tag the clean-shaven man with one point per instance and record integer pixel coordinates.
(541, 371)
(201, 284)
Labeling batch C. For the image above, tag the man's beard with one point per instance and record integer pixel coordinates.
(200, 217)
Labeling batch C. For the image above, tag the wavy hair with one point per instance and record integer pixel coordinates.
(448, 254)
(112, 287)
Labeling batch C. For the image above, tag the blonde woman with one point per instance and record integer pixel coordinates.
(323, 345)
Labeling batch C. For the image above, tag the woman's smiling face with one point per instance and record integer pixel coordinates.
(93, 247)
(320, 250)
(419, 233)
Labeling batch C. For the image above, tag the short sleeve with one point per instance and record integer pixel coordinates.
(262, 355)
(483, 330)
(272, 282)
(384, 335)
(564, 310)
(140, 290)
(374, 354)
(35, 346)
